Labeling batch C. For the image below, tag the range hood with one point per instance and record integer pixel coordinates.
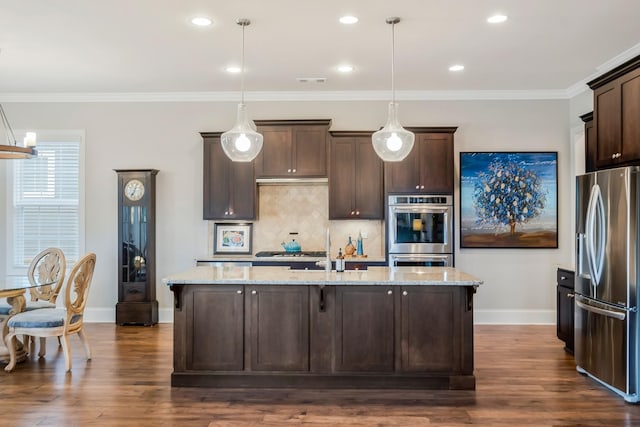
(292, 181)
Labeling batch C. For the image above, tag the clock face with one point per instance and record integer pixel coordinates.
(134, 190)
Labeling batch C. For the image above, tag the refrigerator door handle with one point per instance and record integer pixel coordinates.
(603, 311)
(595, 235)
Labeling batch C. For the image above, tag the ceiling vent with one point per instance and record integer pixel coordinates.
(311, 79)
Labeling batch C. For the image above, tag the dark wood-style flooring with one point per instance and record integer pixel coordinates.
(524, 378)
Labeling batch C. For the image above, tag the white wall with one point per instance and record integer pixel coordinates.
(519, 284)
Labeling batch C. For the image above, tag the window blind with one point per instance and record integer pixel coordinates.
(46, 202)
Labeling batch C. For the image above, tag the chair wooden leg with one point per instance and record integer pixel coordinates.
(43, 346)
(85, 343)
(9, 341)
(67, 352)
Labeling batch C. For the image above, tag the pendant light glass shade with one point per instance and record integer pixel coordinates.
(242, 143)
(393, 143)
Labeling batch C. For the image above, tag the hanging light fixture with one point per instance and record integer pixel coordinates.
(393, 143)
(12, 150)
(242, 143)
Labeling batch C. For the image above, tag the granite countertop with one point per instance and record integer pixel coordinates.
(226, 275)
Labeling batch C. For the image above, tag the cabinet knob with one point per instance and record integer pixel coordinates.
(288, 170)
(422, 187)
(405, 293)
(293, 170)
(417, 187)
(570, 295)
(563, 278)
(357, 212)
(352, 212)
(239, 291)
(613, 156)
(389, 292)
(253, 292)
(226, 212)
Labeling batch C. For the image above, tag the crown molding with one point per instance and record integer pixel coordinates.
(283, 96)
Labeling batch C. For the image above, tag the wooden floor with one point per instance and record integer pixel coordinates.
(524, 378)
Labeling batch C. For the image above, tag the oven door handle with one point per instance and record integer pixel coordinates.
(418, 257)
(421, 209)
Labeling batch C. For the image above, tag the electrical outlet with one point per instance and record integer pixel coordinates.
(365, 235)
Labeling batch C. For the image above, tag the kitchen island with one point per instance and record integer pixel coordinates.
(402, 327)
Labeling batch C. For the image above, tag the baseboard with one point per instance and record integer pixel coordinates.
(514, 317)
(481, 317)
(108, 315)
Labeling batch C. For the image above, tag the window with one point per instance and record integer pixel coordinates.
(45, 201)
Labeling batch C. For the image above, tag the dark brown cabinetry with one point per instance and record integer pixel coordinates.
(565, 308)
(137, 302)
(278, 327)
(355, 177)
(216, 335)
(292, 149)
(364, 329)
(229, 187)
(590, 147)
(429, 166)
(617, 115)
(323, 336)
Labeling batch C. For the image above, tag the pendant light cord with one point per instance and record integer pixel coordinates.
(242, 68)
(393, 60)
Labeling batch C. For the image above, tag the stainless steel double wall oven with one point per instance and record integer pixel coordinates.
(420, 230)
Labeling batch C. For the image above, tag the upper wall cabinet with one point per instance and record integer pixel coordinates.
(293, 149)
(355, 177)
(429, 166)
(229, 187)
(616, 116)
(590, 148)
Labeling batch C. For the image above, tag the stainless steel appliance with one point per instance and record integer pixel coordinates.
(607, 251)
(420, 226)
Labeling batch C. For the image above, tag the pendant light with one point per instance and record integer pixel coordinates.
(242, 143)
(12, 150)
(393, 143)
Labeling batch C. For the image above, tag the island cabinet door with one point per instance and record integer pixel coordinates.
(431, 330)
(278, 328)
(364, 328)
(216, 341)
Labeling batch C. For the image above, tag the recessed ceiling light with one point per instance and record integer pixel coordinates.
(345, 68)
(496, 19)
(233, 69)
(348, 19)
(201, 21)
(456, 67)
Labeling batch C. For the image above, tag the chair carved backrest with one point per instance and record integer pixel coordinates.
(48, 267)
(77, 290)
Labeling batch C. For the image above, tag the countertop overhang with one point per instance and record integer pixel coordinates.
(395, 276)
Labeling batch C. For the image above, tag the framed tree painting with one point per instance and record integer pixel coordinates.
(508, 199)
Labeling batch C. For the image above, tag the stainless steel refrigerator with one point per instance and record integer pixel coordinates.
(606, 298)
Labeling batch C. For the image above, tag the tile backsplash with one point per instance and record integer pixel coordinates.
(304, 208)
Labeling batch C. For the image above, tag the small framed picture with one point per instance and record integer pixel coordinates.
(232, 238)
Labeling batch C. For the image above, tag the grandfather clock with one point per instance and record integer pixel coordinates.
(137, 304)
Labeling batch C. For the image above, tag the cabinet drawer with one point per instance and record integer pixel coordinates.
(134, 292)
(565, 278)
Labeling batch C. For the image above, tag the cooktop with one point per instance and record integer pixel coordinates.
(277, 254)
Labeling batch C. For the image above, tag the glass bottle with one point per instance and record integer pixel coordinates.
(360, 249)
(340, 262)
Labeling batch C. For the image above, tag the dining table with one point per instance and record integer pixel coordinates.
(13, 288)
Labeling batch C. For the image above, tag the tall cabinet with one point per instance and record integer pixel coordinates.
(428, 169)
(137, 302)
(230, 190)
(355, 177)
